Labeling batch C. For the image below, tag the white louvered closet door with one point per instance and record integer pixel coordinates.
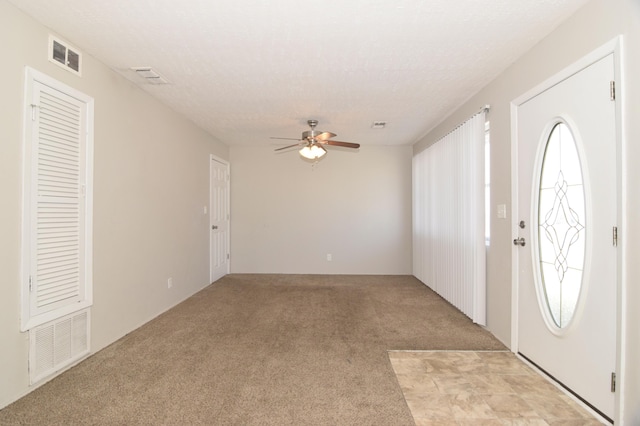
(57, 151)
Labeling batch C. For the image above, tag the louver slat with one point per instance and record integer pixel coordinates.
(58, 227)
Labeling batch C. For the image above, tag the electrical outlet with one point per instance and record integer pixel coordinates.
(329, 257)
(170, 283)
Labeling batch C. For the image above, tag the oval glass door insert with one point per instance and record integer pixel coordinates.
(561, 225)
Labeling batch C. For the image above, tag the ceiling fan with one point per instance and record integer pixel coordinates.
(313, 142)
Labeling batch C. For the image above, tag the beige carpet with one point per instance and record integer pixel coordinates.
(261, 350)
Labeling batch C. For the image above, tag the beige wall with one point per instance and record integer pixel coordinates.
(592, 26)
(151, 180)
(287, 215)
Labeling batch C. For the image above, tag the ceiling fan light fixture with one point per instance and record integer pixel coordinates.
(313, 152)
(313, 142)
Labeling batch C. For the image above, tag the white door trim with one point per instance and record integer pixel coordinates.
(614, 47)
(212, 158)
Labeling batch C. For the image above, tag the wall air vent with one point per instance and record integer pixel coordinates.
(149, 75)
(64, 55)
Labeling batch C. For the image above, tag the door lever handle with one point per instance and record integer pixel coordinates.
(214, 227)
(519, 242)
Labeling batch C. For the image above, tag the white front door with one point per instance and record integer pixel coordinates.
(218, 219)
(566, 254)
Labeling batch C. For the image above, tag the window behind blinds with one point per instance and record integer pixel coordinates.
(57, 196)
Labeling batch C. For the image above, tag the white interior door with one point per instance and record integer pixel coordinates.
(219, 219)
(567, 201)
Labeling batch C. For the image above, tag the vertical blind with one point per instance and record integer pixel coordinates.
(448, 218)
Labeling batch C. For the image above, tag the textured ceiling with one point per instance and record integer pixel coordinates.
(245, 70)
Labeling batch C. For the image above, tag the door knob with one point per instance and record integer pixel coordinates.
(214, 227)
(519, 242)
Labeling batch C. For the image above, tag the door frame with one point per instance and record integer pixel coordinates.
(228, 166)
(614, 47)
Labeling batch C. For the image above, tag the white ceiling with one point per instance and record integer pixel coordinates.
(245, 70)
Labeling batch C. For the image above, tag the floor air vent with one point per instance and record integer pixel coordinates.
(57, 344)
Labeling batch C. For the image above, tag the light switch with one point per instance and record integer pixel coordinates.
(205, 209)
(502, 211)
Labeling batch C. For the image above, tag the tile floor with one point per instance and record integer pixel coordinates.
(481, 388)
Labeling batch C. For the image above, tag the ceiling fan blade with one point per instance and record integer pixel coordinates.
(344, 144)
(325, 135)
(289, 139)
(290, 146)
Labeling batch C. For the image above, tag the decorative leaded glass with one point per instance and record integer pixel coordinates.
(561, 225)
